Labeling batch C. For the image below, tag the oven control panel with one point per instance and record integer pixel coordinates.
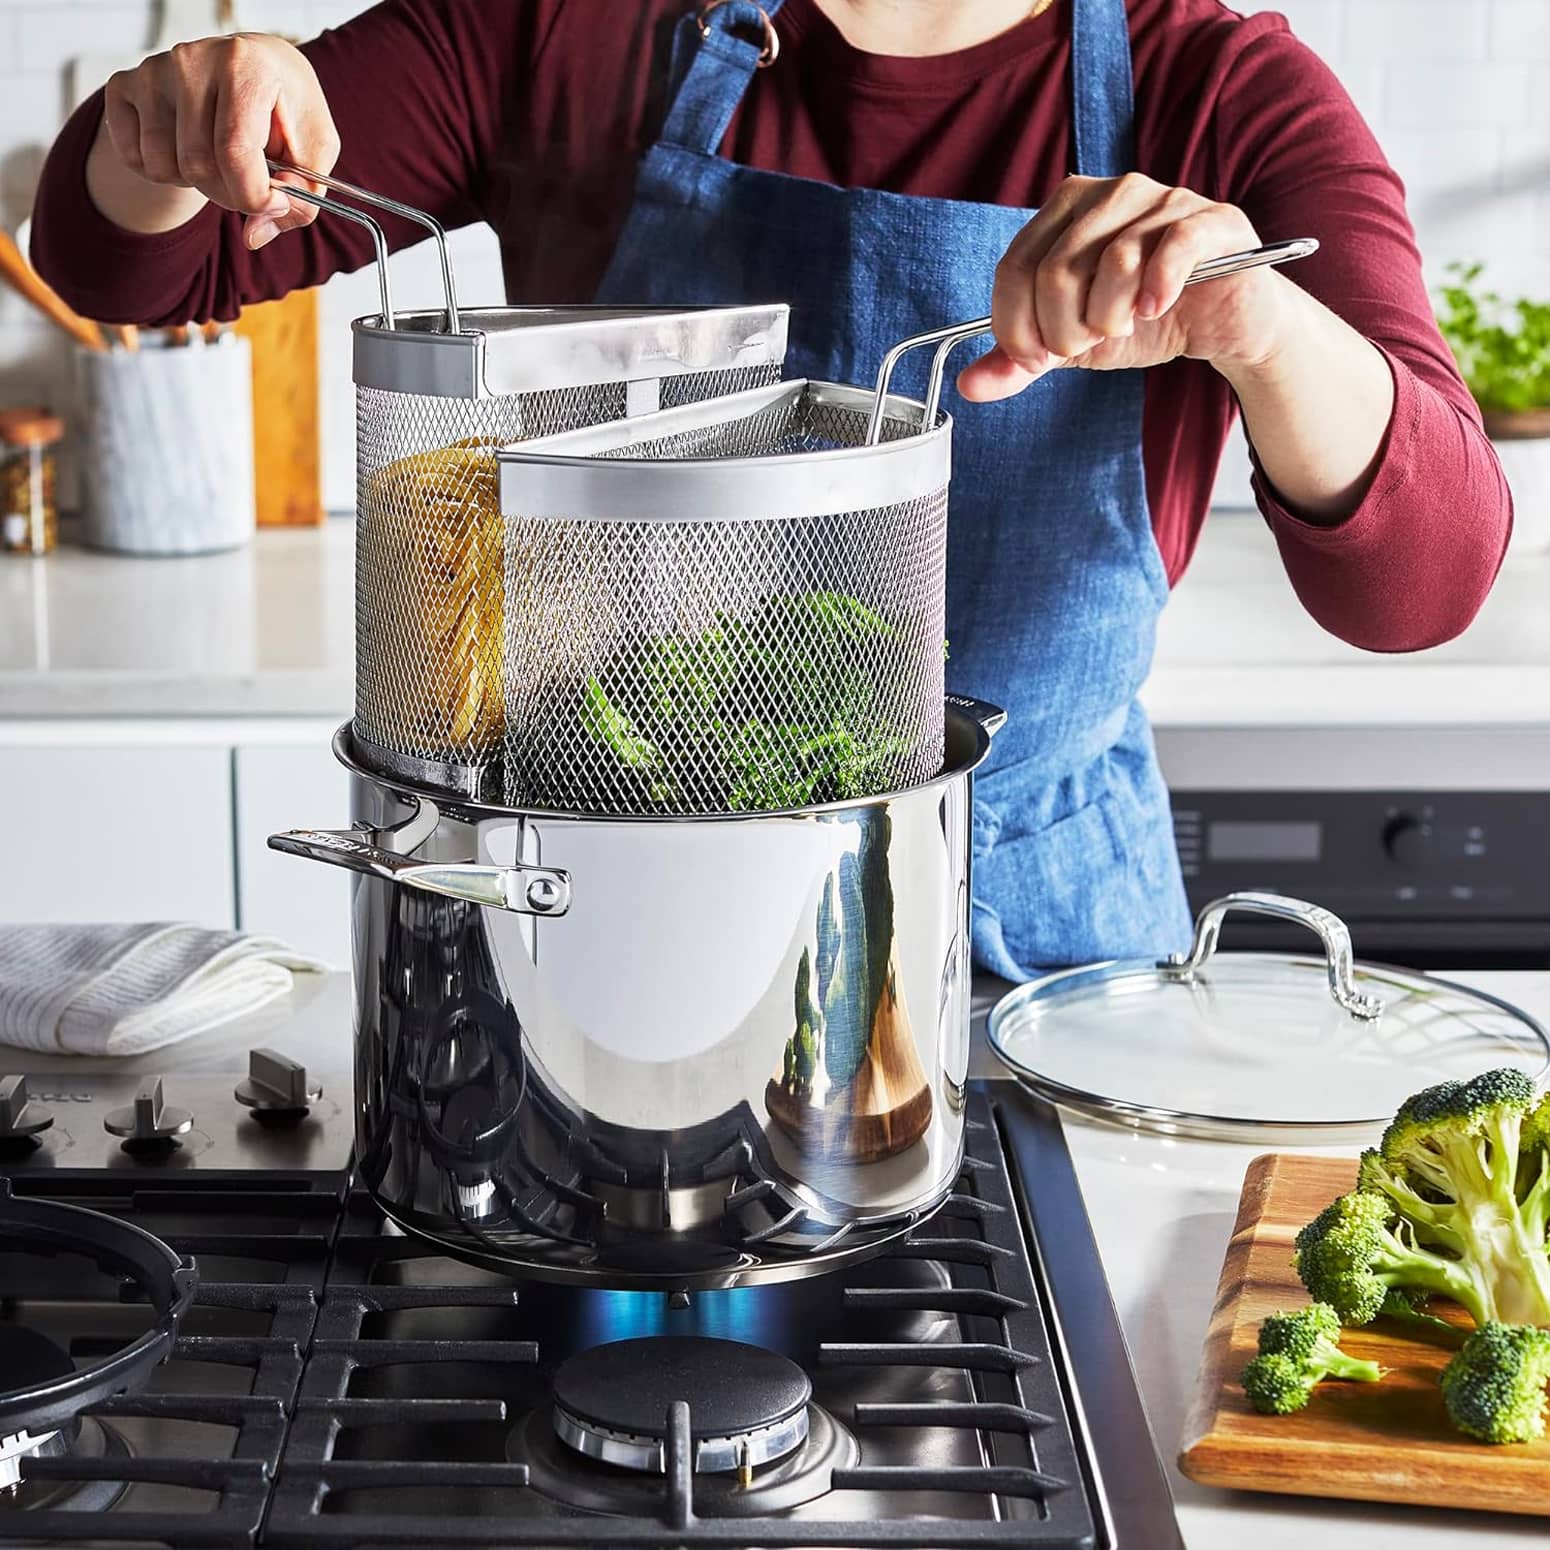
(1455, 870)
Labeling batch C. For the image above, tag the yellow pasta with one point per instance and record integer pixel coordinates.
(438, 514)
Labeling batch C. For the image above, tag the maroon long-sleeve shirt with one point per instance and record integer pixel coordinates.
(531, 115)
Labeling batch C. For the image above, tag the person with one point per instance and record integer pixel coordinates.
(1062, 164)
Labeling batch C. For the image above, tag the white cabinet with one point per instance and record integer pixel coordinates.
(291, 786)
(144, 821)
(109, 831)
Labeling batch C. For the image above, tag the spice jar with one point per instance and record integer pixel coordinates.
(29, 512)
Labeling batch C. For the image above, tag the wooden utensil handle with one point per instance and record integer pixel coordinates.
(29, 284)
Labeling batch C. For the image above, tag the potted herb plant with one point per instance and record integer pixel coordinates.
(1503, 351)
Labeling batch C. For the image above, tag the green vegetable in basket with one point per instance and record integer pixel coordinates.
(775, 706)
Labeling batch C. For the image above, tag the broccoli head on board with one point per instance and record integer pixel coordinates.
(1358, 1249)
(1297, 1351)
(1464, 1167)
(1494, 1387)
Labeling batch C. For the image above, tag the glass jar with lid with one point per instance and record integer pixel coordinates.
(29, 511)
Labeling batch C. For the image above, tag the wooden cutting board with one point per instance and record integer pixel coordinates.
(1387, 1442)
(287, 472)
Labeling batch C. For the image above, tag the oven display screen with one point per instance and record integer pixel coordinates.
(1264, 841)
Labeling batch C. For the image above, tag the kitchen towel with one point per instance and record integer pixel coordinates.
(118, 990)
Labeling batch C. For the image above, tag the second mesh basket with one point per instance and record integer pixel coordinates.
(436, 393)
(731, 606)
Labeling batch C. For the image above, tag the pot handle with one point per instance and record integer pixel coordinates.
(525, 890)
(991, 718)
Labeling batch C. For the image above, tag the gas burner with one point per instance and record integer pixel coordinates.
(93, 1441)
(790, 1317)
(45, 1393)
(29, 1361)
(747, 1406)
(564, 1476)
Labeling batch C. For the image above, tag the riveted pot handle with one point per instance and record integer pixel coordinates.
(525, 890)
(1328, 927)
(990, 718)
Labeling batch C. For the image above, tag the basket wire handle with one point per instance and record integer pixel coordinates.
(381, 202)
(945, 339)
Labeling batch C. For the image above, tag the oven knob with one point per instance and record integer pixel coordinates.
(148, 1120)
(276, 1087)
(21, 1115)
(1407, 839)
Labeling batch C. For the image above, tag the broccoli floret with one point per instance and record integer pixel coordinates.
(1453, 1165)
(1312, 1336)
(1536, 1126)
(1277, 1385)
(1494, 1387)
(1356, 1250)
(1297, 1351)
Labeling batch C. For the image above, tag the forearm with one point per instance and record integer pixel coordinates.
(120, 252)
(1411, 563)
(1316, 407)
(130, 201)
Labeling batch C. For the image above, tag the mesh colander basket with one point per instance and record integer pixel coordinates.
(436, 394)
(429, 542)
(735, 605)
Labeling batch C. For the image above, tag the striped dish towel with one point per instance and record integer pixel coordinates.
(118, 990)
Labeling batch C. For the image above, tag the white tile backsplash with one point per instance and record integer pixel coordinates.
(50, 34)
(1454, 88)
(1520, 29)
(1439, 95)
(1450, 30)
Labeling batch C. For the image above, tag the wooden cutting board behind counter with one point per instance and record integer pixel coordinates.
(282, 335)
(287, 473)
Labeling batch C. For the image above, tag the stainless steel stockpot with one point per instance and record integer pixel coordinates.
(661, 1052)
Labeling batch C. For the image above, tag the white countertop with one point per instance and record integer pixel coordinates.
(1162, 1212)
(268, 631)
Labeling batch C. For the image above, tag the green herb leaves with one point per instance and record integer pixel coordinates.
(1502, 348)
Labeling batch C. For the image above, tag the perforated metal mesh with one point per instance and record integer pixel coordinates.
(430, 579)
(723, 666)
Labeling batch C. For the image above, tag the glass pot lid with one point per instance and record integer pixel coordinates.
(1255, 1046)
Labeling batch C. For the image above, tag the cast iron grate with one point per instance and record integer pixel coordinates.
(420, 1369)
(196, 1452)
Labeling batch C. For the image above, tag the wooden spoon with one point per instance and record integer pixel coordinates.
(29, 284)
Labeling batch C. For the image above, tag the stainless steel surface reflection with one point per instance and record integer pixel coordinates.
(740, 1055)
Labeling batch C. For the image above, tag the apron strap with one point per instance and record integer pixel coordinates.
(713, 71)
(1101, 89)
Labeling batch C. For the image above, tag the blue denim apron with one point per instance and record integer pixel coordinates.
(1054, 580)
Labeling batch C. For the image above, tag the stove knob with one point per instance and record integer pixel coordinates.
(1407, 839)
(148, 1120)
(21, 1116)
(276, 1086)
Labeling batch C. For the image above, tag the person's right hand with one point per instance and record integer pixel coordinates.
(204, 115)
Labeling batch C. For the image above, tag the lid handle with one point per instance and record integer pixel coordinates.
(1329, 928)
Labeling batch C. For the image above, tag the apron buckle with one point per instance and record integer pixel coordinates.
(768, 53)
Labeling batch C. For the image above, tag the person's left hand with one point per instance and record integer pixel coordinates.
(1096, 279)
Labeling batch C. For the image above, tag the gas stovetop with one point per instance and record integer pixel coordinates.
(336, 1382)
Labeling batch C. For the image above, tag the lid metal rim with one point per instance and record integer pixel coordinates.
(1191, 1123)
(562, 477)
(1186, 1122)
